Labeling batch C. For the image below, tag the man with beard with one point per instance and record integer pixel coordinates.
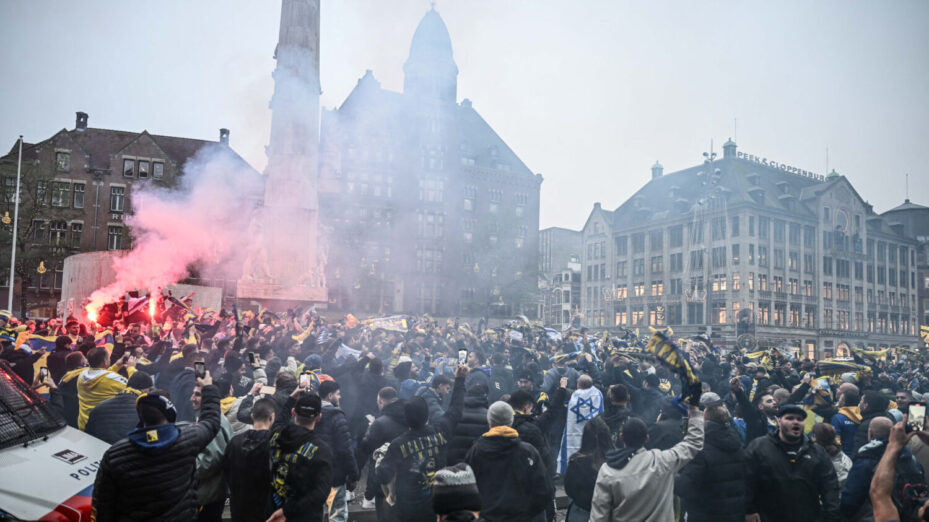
(790, 478)
(759, 415)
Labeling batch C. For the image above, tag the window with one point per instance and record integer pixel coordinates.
(827, 265)
(622, 244)
(719, 282)
(656, 315)
(638, 267)
(735, 255)
(696, 259)
(158, 169)
(638, 243)
(621, 269)
(621, 292)
(764, 227)
(114, 238)
(76, 230)
(778, 284)
(657, 288)
(41, 192)
(9, 189)
(61, 193)
(638, 289)
(827, 215)
(779, 258)
(719, 257)
(718, 312)
(778, 231)
(736, 281)
(143, 169)
(433, 189)
(735, 226)
(117, 201)
(78, 195)
(718, 226)
(677, 262)
(859, 270)
(673, 314)
(842, 268)
(656, 240)
(762, 255)
(677, 287)
(751, 254)
(793, 234)
(809, 266)
(676, 235)
(751, 226)
(695, 313)
(827, 290)
(793, 262)
(63, 161)
(657, 264)
(128, 167)
(621, 318)
(637, 314)
(809, 237)
(38, 231)
(428, 260)
(58, 233)
(808, 287)
(793, 286)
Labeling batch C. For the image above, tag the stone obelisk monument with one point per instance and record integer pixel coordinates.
(286, 261)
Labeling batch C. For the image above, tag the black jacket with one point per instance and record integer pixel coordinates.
(530, 433)
(580, 479)
(647, 402)
(804, 491)
(414, 456)
(433, 400)
(114, 418)
(861, 434)
(472, 425)
(513, 482)
(333, 430)
(247, 474)
(856, 499)
(390, 425)
(500, 383)
(756, 425)
(301, 473)
(718, 472)
(182, 387)
(151, 475)
(615, 418)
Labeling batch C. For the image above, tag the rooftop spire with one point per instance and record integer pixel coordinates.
(430, 71)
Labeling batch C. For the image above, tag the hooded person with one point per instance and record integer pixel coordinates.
(97, 383)
(637, 484)
(388, 426)
(151, 474)
(846, 421)
(509, 471)
(413, 457)
(245, 466)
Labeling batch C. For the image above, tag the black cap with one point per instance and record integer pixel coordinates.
(308, 405)
(158, 401)
(791, 408)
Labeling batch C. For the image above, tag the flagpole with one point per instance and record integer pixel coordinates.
(19, 168)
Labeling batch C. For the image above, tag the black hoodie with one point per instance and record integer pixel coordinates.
(510, 475)
(301, 473)
(248, 476)
(719, 472)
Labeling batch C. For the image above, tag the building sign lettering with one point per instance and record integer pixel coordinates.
(780, 166)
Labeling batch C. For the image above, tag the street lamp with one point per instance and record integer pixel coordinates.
(19, 168)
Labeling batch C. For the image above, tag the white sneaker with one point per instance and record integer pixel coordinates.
(367, 504)
(349, 495)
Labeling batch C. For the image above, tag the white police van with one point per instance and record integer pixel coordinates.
(47, 468)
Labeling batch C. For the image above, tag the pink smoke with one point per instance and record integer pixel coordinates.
(202, 222)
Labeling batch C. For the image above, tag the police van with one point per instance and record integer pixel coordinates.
(47, 468)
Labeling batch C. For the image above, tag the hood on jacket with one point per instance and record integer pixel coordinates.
(722, 437)
(155, 439)
(500, 440)
(394, 410)
(852, 413)
(618, 458)
(872, 450)
(255, 440)
(292, 437)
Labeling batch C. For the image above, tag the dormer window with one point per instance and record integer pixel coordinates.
(128, 167)
(158, 169)
(143, 169)
(63, 160)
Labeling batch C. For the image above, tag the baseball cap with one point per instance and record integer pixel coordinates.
(791, 408)
(308, 405)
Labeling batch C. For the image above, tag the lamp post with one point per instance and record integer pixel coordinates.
(19, 167)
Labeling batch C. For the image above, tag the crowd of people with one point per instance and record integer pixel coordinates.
(282, 416)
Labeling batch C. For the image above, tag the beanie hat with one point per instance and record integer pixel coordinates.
(455, 489)
(416, 412)
(5, 315)
(500, 414)
(140, 381)
(314, 362)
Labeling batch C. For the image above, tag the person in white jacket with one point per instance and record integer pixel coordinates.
(636, 484)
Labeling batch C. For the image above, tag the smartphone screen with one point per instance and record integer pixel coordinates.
(305, 380)
(43, 373)
(200, 369)
(916, 416)
(462, 356)
(251, 357)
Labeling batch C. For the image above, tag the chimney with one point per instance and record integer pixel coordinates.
(224, 136)
(729, 149)
(657, 170)
(80, 122)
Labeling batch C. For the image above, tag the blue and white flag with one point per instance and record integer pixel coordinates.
(583, 406)
(344, 351)
(323, 335)
(553, 334)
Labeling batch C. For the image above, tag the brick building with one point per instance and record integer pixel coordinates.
(75, 192)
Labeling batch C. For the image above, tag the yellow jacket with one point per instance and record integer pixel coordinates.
(95, 385)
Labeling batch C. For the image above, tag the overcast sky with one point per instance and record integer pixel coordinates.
(587, 93)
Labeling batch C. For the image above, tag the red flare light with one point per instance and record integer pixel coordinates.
(92, 315)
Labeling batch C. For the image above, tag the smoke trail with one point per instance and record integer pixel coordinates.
(202, 221)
